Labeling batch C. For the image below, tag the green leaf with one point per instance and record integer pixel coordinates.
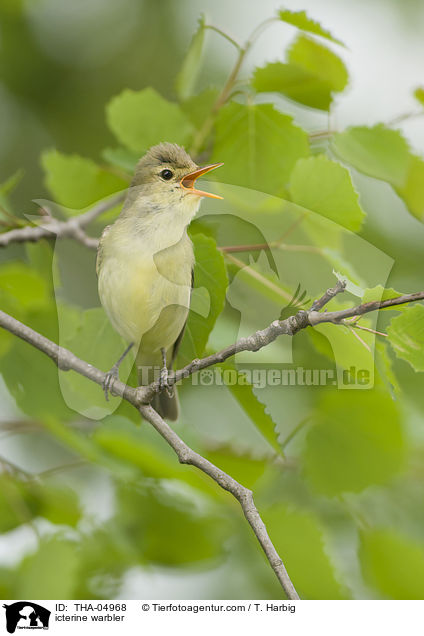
(187, 76)
(325, 186)
(256, 410)
(77, 182)
(393, 563)
(379, 152)
(119, 437)
(384, 154)
(320, 61)
(293, 82)
(51, 572)
(302, 21)
(21, 289)
(21, 501)
(380, 293)
(311, 75)
(18, 503)
(209, 273)
(412, 190)
(406, 335)
(356, 442)
(59, 505)
(85, 447)
(245, 469)
(31, 377)
(298, 536)
(7, 188)
(141, 119)
(122, 158)
(94, 340)
(198, 107)
(167, 528)
(258, 145)
(419, 94)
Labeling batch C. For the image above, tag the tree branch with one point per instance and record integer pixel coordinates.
(66, 360)
(140, 397)
(55, 228)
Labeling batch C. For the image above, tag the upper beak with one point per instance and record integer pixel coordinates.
(188, 181)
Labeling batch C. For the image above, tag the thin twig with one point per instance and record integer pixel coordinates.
(141, 396)
(54, 228)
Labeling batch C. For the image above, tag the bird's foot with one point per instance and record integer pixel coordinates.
(109, 380)
(163, 382)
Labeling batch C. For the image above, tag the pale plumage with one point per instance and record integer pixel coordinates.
(145, 259)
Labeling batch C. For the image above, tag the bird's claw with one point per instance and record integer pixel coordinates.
(163, 382)
(109, 380)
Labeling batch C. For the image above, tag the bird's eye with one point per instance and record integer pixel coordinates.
(167, 174)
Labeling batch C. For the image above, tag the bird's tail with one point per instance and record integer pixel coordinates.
(148, 368)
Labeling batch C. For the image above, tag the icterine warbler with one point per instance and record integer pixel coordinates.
(145, 262)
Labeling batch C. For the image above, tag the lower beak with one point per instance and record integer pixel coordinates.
(188, 181)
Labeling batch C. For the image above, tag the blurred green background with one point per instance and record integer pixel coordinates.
(93, 508)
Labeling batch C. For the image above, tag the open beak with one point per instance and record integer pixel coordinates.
(188, 181)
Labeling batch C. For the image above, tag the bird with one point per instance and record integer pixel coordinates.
(145, 264)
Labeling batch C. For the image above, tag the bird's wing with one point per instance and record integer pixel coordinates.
(100, 249)
(181, 334)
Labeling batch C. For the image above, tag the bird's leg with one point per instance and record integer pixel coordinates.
(113, 374)
(163, 378)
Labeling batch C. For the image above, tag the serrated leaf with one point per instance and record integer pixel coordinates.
(302, 21)
(198, 107)
(166, 528)
(51, 570)
(406, 335)
(6, 188)
(412, 190)
(293, 82)
(393, 563)
(77, 182)
(310, 76)
(384, 365)
(256, 410)
(23, 500)
(242, 467)
(22, 289)
(187, 76)
(299, 537)
(356, 442)
(210, 273)
(380, 293)
(122, 158)
(258, 145)
(378, 152)
(325, 186)
(419, 95)
(384, 154)
(18, 503)
(120, 438)
(59, 505)
(140, 119)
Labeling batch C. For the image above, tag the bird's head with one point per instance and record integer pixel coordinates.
(167, 175)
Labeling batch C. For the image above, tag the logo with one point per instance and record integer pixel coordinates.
(26, 615)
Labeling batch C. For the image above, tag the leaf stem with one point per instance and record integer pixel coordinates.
(212, 27)
(204, 131)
